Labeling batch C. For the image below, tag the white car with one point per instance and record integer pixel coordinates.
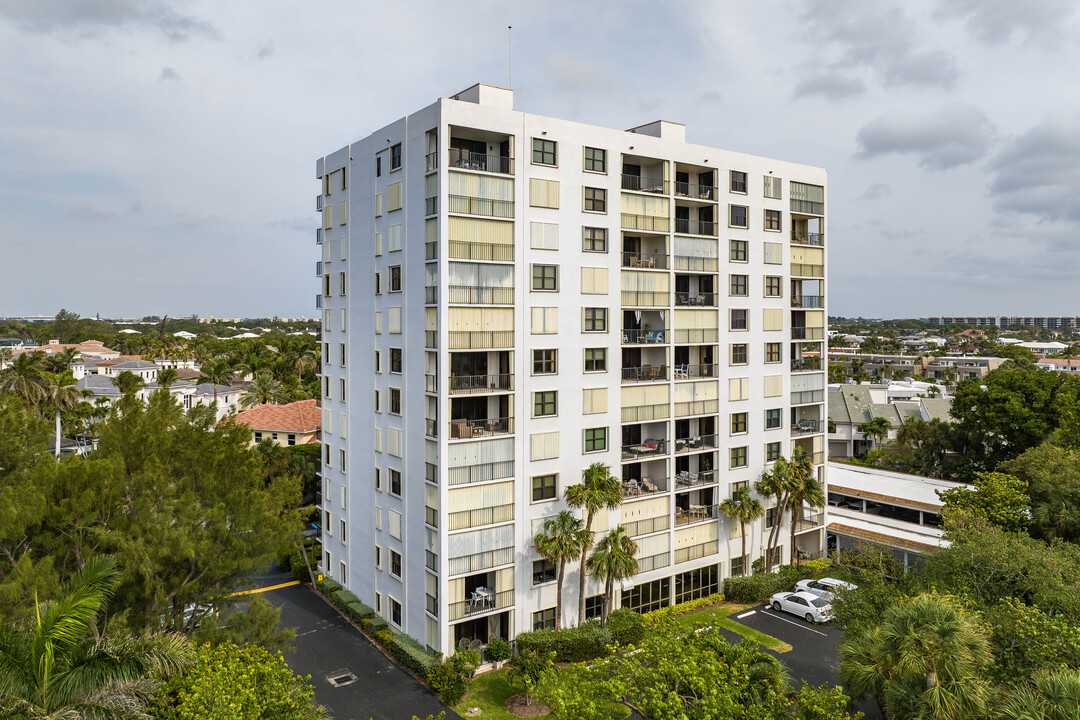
(806, 605)
(824, 587)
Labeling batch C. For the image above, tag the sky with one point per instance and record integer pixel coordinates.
(157, 156)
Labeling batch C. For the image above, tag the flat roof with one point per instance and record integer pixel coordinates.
(885, 530)
(900, 488)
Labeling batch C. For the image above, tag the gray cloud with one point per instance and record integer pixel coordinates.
(877, 191)
(89, 211)
(169, 75)
(1038, 173)
(953, 135)
(997, 21)
(830, 85)
(709, 98)
(575, 74)
(934, 68)
(265, 50)
(90, 18)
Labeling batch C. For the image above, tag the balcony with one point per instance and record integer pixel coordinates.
(431, 427)
(431, 338)
(807, 270)
(684, 226)
(431, 294)
(484, 427)
(646, 448)
(481, 516)
(807, 333)
(483, 602)
(798, 238)
(808, 301)
(644, 223)
(431, 383)
(695, 514)
(644, 298)
(695, 336)
(805, 427)
(644, 486)
(431, 250)
(431, 161)
(470, 295)
(636, 528)
(468, 205)
(686, 479)
(690, 372)
(812, 521)
(496, 252)
(643, 337)
(699, 299)
(644, 413)
(695, 191)
(431, 206)
(695, 443)
(481, 561)
(805, 397)
(694, 552)
(645, 373)
(691, 263)
(805, 363)
(636, 183)
(481, 339)
(647, 261)
(479, 161)
(493, 382)
(483, 472)
(697, 407)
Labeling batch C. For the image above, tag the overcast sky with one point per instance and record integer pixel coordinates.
(157, 156)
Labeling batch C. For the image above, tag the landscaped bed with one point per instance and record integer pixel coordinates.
(717, 616)
(491, 691)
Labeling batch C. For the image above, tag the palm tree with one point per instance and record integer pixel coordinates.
(563, 540)
(218, 371)
(876, 430)
(745, 508)
(262, 390)
(613, 559)
(598, 490)
(776, 484)
(806, 491)
(167, 377)
(6, 354)
(128, 382)
(61, 361)
(25, 376)
(59, 665)
(922, 661)
(61, 394)
(1055, 696)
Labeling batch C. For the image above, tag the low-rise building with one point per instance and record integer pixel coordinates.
(297, 423)
(189, 394)
(946, 368)
(853, 405)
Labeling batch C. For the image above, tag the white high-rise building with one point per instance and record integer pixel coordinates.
(508, 298)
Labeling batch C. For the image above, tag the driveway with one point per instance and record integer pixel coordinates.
(326, 643)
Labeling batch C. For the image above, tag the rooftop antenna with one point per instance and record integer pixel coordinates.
(510, 53)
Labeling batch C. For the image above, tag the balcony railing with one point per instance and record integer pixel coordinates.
(696, 513)
(432, 605)
(695, 299)
(808, 238)
(488, 207)
(807, 270)
(647, 525)
(643, 337)
(642, 413)
(807, 333)
(460, 250)
(696, 551)
(464, 428)
(494, 382)
(645, 373)
(695, 336)
(695, 191)
(469, 474)
(652, 562)
(431, 383)
(431, 516)
(688, 479)
(431, 473)
(695, 443)
(806, 427)
(649, 448)
(431, 560)
(431, 338)
(431, 427)
(695, 227)
(809, 522)
(650, 261)
(697, 407)
(644, 298)
(644, 486)
(479, 161)
(431, 294)
(805, 397)
(476, 562)
(689, 372)
(480, 604)
(808, 301)
(644, 184)
(806, 363)
(431, 161)
(695, 264)
(481, 516)
(645, 223)
(431, 205)
(469, 295)
(431, 250)
(481, 339)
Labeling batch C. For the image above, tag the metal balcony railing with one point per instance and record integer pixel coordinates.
(644, 486)
(431, 250)
(695, 264)
(644, 184)
(645, 223)
(642, 337)
(460, 250)
(807, 270)
(647, 525)
(431, 427)
(476, 562)
(465, 428)
(695, 299)
(645, 373)
(644, 298)
(431, 383)
(648, 448)
(431, 294)
(806, 363)
(695, 513)
(809, 522)
(431, 161)
(695, 443)
(479, 161)
(808, 238)
(481, 339)
(469, 295)
(483, 472)
(488, 207)
(688, 479)
(695, 191)
(696, 551)
(481, 516)
(690, 372)
(494, 382)
(808, 301)
(695, 227)
(480, 604)
(807, 333)
(806, 427)
(431, 205)
(647, 260)
(642, 413)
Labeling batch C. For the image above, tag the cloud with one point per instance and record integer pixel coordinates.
(91, 18)
(877, 191)
(265, 50)
(571, 74)
(169, 75)
(709, 98)
(934, 68)
(831, 86)
(1038, 173)
(88, 211)
(954, 135)
(998, 21)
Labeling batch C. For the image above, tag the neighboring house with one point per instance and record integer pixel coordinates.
(11, 342)
(943, 368)
(146, 370)
(297, 423)
(1059, 364)
(90, 347)
(853, 405)
(176, 363)
(901, 513)
(189, 394)
(68, 446)
(185, 334)
(1043, 348)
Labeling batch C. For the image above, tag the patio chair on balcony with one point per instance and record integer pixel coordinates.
(648, 485)
(631, 488)
(682, 372)
(459, 428)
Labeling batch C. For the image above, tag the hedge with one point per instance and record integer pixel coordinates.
(329, 587)
(683, 608)
(585, 642)
(343, 598)
(626, 626)
(358, 611)
(411, 654)
(375, 624)
(758, 588)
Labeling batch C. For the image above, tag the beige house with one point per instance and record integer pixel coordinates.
(297, 423)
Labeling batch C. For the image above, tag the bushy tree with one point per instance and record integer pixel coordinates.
(1000, 498)
(1052, 474)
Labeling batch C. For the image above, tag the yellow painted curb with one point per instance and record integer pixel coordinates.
(259, 590)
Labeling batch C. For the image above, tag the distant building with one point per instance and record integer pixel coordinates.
(852, 405)
(1004, 321)
(947, 368)
(1059, 364)
(1043, 348)
(189, 394)
(297, 423)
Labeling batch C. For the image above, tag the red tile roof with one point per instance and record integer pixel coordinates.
(298, 417)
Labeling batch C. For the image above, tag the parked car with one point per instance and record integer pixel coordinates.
(824, 587)
(806, 605)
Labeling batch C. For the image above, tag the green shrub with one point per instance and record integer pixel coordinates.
(626, 626)
(449, 677)
(329, 587)
(411, 654)
(816, 567)
(358, 612)
(584, 642)
(499, 649)
(758, 588)
(285, 556)
(342, 598)
(683, 608)
(375, 625)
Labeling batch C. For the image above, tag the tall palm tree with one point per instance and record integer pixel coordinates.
(563, 540)
(218, 371)
(598, 490)
(128, 383)
(613, 559)
(60, 394)
(167, 377)
(876, 430)
(1055, 696)
(262, 390)
(806, 491)
(25, 376)
(777, 485)
(922, 661)
(59, 665)
(745, 508)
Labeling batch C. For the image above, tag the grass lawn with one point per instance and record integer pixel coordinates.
(716, 616)
(490, 691)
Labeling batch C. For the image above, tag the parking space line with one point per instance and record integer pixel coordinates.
(746, 614)
(804, 626)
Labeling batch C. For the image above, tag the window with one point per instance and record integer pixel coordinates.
(378, 479)
(395, 612)
(772, 352)
(395, 482)
(595, 359)
(378, 361)
(341, 284)
(395, 401)
(545, 278)
(772, 220)
(544, 487)
(545, 404)
(328, 286)
(378, 166)
(595, 200)
(378, 401)
(770, 517)
(395, 360)
(341, 531)
(772, 187)
(341, 459)
(543, 572)
(595, 320)
(395, 157)
(738, 457)
(738, 566)
(594, 607)
(378, 283)
(543, 152)
(738, 423)
(737, 250)
(395, 563)
(544, 619)
(545, 362)
(738, 181)
(772, 452)
(739, 320)
(378, 557)
(772, 419)
(595, 160)
(594, 239)
(258, 435)
(772, 286)
(739, 354)
(395, 278)
(737, 216)
(595, 439)
(341, 354)
(738, 285)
